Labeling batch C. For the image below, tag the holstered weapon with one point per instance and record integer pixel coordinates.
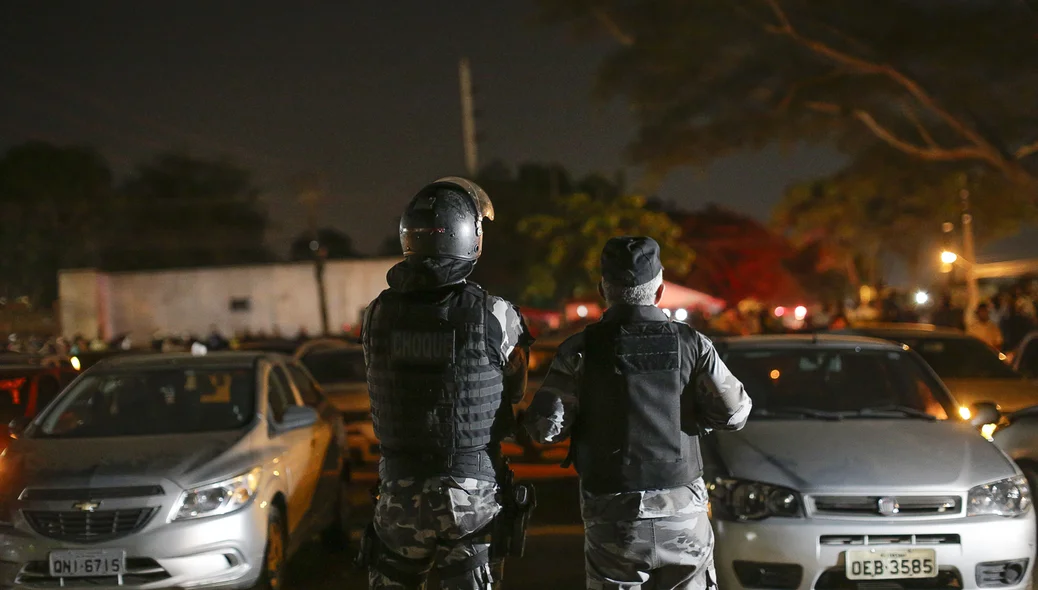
(508, 535)
(369, 541)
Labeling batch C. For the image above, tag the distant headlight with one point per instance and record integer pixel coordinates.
(1005, 497)
(734, 499)
(219, 498)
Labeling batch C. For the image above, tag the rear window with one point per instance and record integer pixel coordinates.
(336, 366)
(961, 358)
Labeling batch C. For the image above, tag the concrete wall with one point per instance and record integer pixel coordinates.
(279, 298)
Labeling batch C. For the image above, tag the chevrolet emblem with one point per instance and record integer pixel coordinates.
(86, 506)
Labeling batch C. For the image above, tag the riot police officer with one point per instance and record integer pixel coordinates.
(634, 391)
(445, 362)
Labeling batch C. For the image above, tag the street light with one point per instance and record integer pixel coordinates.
(921, 297)
(949, 257)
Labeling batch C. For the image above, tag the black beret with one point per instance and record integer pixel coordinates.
(631, 261)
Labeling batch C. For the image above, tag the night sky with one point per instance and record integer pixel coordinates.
(363, 92)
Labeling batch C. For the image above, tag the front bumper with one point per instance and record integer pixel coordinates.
(819, 546)
(224, 552)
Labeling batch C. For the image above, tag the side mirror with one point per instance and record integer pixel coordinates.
(984, 413)
(17, 426)
(298, 417)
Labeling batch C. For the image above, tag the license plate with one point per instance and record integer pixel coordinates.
(890, 564)
(87, 563)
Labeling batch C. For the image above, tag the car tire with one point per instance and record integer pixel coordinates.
(336, 536)
(275, 555)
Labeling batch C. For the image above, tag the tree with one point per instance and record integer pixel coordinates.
(936, 82)
(177, 210)
(879, 206)
(53, 202)
(569, 243)
(336, 244)
(737, 258)
(533, 189)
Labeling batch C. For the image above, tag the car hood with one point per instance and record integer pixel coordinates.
(1010, 394)
(184, 459)
(862, 455)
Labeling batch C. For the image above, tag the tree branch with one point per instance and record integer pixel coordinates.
(785, 27)
(923, 133)
(1027, 150)
(932, 153)
(612, 27)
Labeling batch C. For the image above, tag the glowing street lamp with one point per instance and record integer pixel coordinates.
(921, 297)
(948, 257)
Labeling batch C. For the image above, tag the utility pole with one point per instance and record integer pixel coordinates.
(310, 196)
(972, 293)
(468, 118)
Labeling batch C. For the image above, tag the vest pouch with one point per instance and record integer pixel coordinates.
(648, 357)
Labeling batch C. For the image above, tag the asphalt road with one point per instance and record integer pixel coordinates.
(554, 550)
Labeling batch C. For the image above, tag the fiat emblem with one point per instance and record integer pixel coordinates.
(888, 506)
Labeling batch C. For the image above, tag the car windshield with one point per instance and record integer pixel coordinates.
(336, 366)
(961, 358)
(142, 402)
(837, 383)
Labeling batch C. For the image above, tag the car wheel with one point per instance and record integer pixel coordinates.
(336, 537)
(275, 555)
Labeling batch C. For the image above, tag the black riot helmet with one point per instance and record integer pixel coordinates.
(445, 220)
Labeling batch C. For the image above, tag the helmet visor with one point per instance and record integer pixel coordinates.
(479, 197)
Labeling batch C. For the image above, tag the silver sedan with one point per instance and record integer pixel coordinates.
(171, 471)
(858, 468)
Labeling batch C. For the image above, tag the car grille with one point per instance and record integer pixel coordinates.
(836, 579)
(907, 506)
(890, 540)
(139, 571)
(75, 494)
(89, 527)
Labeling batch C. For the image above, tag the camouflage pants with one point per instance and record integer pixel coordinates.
(669, 546)
(423, 524)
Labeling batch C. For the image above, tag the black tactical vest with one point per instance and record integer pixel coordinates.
(434, 389)
(628, 435)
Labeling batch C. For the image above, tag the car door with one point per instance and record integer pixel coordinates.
(294, 461)
(331, 441)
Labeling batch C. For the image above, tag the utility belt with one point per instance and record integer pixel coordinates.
(507, 530)
(398, 465)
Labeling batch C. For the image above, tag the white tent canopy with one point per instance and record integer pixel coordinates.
(677, 297)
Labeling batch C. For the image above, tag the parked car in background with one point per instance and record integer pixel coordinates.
(26, 389)
(171, 471)
(341, 373)
(857, 470)
(972, 370)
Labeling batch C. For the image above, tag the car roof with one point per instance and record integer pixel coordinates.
(895, 331)
(179, 359)
(807, 340)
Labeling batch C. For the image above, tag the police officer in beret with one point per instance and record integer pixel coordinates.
(634, 392)
(445, 362)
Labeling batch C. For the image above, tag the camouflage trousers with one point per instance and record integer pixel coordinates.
(651, 540)
(433, 522)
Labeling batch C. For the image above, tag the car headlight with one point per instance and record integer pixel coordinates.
(1005, 497)
(219, 498)
(735, 499)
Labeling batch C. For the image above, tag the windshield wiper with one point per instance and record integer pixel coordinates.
(905, 411)
(795, 412)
